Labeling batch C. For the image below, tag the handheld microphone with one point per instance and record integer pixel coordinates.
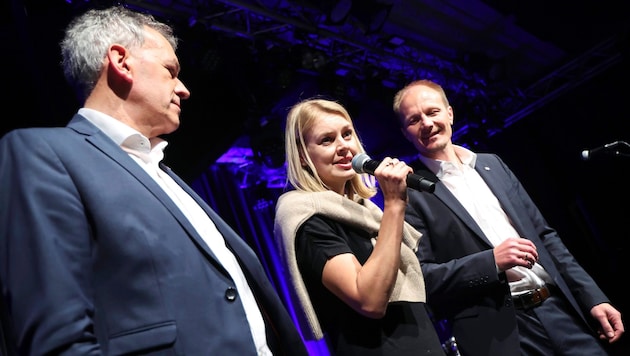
(362, 163)
(587, 154)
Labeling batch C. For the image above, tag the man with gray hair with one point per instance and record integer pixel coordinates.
(104, 249)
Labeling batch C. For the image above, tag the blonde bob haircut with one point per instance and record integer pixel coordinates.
(301, 173)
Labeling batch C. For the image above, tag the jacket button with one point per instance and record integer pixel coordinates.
(230, 294)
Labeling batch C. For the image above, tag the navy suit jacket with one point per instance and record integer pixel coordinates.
(95, 258)
(461, 280)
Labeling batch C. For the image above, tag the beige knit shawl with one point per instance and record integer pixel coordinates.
(295, 207)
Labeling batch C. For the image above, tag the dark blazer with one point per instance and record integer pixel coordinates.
(462, 283)
(95, 258)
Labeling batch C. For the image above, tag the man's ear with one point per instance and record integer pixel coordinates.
(118, 57)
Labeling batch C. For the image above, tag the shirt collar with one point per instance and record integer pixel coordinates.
(132, 141)
(439, 167)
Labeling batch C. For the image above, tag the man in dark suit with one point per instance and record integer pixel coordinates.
(494, 268)
(103, 249)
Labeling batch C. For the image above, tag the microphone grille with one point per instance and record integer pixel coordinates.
(358, 161)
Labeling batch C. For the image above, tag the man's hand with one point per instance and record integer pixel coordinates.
(515, 251)
(611, 326)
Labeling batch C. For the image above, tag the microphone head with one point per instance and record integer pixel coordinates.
(358, 161)
(585, 155)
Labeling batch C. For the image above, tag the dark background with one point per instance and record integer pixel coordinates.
(535, 82)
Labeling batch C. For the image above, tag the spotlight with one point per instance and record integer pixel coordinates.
(336, 11)
(371, 15)
(312, 59)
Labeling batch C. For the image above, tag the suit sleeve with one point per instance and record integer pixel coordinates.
(45, 250)
(557, 259)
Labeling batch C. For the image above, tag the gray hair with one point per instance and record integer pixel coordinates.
(88, 37)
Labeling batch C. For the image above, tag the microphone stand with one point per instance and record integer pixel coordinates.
(617, 152)
(611, 149)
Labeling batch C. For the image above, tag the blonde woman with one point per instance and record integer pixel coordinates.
(355, 274)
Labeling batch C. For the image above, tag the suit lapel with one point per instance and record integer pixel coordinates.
(242, 251)
(103, 143)
(491, 172)
(458, 209)
(442, 193)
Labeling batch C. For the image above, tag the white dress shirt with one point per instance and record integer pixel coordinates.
(475, 195)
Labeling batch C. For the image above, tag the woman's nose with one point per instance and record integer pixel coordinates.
(343, 145)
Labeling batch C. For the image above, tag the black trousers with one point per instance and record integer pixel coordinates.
(553, 328)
